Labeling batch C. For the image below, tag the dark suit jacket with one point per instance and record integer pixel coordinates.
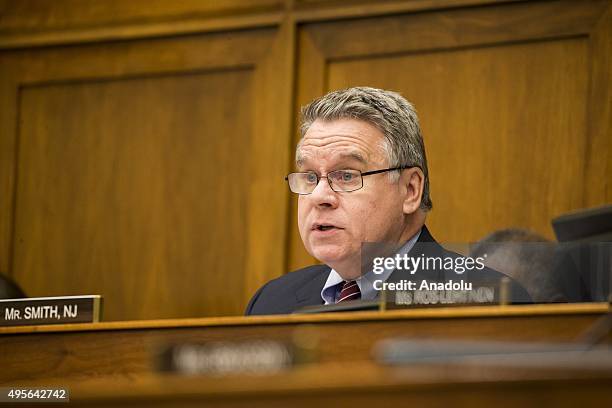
(303, 287)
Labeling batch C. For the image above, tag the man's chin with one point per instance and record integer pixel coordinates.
(331, 255)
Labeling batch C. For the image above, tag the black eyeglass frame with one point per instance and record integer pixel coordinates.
(367, 173)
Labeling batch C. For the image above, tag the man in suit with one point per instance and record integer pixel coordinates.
(362, 178)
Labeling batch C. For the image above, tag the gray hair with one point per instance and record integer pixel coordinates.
(393, 115)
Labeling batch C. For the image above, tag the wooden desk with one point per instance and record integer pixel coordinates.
(124, 350)
(358, 384)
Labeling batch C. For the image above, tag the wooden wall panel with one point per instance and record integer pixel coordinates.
(598, 187)
(133, 176)
(136, 178)
(39, 22)
(36, 15)
(503, 92)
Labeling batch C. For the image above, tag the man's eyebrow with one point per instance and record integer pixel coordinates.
(300, 159)
(354, 156)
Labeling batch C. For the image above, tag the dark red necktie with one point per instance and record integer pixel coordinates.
(350, 291)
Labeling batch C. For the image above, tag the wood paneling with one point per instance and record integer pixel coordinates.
(598, 185)
(39, 15)
(36, 22)
(359, 384)
(136, 172)
(142, 178)
(503, 94)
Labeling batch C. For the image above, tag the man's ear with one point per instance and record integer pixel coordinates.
(413, 181)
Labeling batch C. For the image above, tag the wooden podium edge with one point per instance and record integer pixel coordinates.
(407, 314)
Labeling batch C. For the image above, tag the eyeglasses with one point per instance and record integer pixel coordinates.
(341, 181)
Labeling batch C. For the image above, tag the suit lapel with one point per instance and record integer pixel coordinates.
(310, 293)
(426, 245)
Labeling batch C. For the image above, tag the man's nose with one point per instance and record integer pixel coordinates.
(323, 195)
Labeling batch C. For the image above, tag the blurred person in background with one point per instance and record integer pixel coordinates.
(9, 289)
(526, 257)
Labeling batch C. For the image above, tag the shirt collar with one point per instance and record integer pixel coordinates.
(366, 282)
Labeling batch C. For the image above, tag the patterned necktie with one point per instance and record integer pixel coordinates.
(350, 291)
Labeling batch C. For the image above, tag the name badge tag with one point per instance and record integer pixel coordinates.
(50, 310)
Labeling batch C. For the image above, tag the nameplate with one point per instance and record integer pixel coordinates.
(226, 357)
(50, 310)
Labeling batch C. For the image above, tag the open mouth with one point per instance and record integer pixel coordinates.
(324, 227)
